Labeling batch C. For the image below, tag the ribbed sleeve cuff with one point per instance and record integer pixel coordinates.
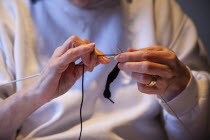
(185, 101)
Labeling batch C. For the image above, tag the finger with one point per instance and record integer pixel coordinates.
(146, 79)
(163, 57)
(141, 78)
(73, 72)
(86, 57)
(101, 59)
(89, 59)
(72, 54)
(147, 67)
(71, 42)
(85, 41)
(93, 61)
(138, 56)
(151, 48)
(78, 71)
(150, 90)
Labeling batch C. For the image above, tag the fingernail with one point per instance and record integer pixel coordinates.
(131, 49)
(120, 66)
(92, 44)
(118, 57)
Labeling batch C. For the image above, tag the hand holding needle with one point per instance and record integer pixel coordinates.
(112, 55)
(36, 75)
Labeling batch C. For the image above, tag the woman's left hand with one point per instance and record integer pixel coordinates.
(159, 62)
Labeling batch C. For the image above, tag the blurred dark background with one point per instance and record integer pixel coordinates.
(199, 11)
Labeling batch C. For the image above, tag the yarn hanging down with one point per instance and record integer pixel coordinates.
(107, 94)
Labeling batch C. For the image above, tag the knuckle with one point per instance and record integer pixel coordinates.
(169, 74)
(162, 48)
(145, 67)
(60, 61)
(124, 57)
(85, 41)
(143, 77)
(146, 55)
(121, 65)
(57, 51)
(73, 44)
(58, 48)
(172, 57)
(74, 41)
(72, 53)
(74, 37)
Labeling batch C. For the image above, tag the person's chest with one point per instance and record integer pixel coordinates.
(108, 30)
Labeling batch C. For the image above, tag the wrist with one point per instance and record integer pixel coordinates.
(31, 97)
(21, 104)
(44, 88)
(178, 84)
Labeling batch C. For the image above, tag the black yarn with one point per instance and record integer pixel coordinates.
(83, 71)
(107, 94)
(34, 1)
(111, 77)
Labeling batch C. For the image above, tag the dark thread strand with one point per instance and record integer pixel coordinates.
(108, 55)
(111, 77)
(83, 71)
(34, 1)
(111, 100)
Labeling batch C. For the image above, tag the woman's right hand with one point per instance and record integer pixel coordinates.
(61, 72)
(58, 76)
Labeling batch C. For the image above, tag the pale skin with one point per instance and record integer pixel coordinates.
(172, 75)
(61, 73)
(58, 76)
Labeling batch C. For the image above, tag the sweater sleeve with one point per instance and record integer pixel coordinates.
(7, 65)
(176, 30)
